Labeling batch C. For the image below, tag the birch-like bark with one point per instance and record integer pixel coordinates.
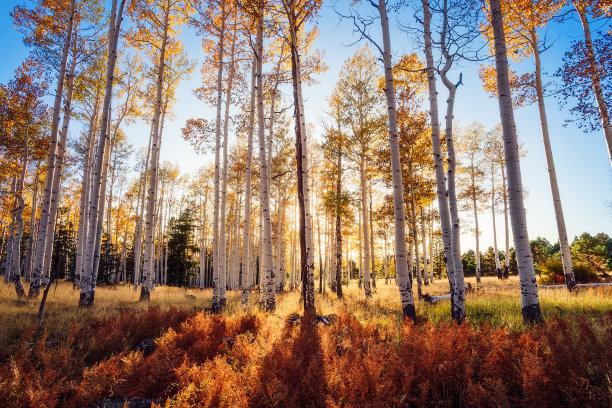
(32, 238)
(477, 231)
(43, 224)
(495, 250)
(306, 233)
(602, 107)
(366, 230)
(415, 240)
(15, 272)
(459, 293)
(424, 234)
(529, 288)
(57, 172)
(338, 253)
(566, 256)
(216, 303)
(401, 264)
(506, 222)
(148, 269)
(140, 219)
(245, 283)
(270, 287)
(88, 276)
(84, 201)
(372, 257)
(222, 216)
(445, 217)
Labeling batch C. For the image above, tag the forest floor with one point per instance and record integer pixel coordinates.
(169, 352)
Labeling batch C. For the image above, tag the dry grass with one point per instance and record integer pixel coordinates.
(494, 302)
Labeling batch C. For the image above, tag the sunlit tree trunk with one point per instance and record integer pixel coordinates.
(43, 225)
(32, 237)
(497, 264)
(373, 258)
(415, 241)
(566, 256)
(223, 264)
(148, 269)
(366, 230)
(424, 233)
(529, 288)
(306, 234)
(338, 253)
(57, 172)
(15, 266)
(401, 265)
(84, 202)
(216, 303)
(506, 223)
(245, 284)
(88, 275)
(445, 217)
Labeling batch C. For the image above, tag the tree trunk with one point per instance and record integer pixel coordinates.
(306, 235)
(148, 269)
(366, 230)
(424, 233)
(222, 216)
(245, 284)
(529, 287)
(32, 238)
(372, 257)
(477, 231)
(401, 265)
(84, 201)
(415, 239)
(566, 256)
(445, 216)
(43, 225)
(497, 264)
(595, 80)
(216, 303)
(506, 223)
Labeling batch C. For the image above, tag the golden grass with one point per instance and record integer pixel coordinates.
(494, 302)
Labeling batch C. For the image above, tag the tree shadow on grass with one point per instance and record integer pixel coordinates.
(293, 373)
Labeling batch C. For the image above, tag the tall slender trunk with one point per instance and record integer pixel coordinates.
(445, 216)
(270, 287)
(497, 264)
(529, 288)
(415, 239)
(88, 276)
(148, 269)
(32, 237)
(338, 253)
(306, 234)
(476, 230)
(245, 284)
(43, 225)
(424, 234)
(602, 106)
(216, 303)
(15, 271)
(372, 257)
(506, 223)
(140, 218)
(84, 200)
(566, 256)
(366, 230)
(59, 168)
(401, 265)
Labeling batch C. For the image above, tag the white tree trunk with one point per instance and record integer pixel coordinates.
(529, 287)
(401, 265)
(216, 303)
(497, 264)
(445, 216)
(148, 269)
(245, 284)
(566, 256)
(43, 225)
(366, 230)
(424, 233)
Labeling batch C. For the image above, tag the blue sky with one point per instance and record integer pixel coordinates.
(583, 168)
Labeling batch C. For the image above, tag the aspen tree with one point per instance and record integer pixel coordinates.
(528, 286)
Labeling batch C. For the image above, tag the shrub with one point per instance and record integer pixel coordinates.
(552, 273)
